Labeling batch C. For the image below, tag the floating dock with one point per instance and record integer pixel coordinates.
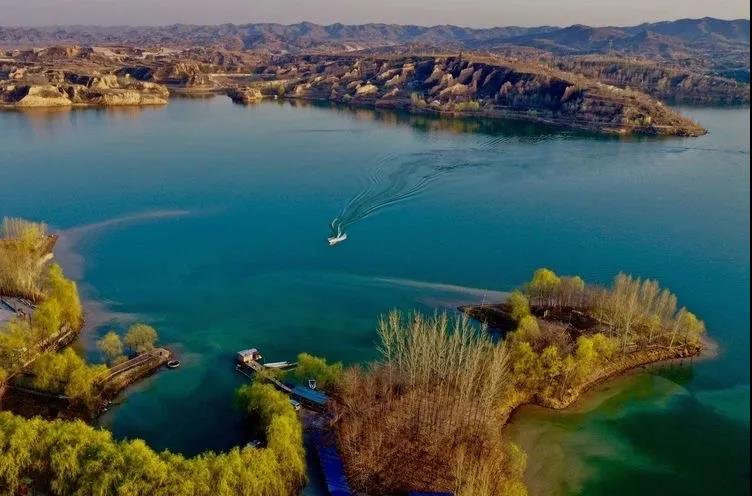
(331, 465)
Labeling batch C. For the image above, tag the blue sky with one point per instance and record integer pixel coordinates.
(480, 13)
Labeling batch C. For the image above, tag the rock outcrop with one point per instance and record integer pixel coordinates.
(245, 95)
(60, 89)
(457, 86)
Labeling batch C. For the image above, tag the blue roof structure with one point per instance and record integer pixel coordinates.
(311, 395)
(331, 466)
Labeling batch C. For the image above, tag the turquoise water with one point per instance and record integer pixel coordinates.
(209, 221)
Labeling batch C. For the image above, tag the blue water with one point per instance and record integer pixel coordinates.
(216, 218)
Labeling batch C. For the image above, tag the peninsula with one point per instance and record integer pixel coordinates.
(40, 316)
(428, 415)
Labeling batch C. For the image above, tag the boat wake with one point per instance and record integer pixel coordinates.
(397, 180)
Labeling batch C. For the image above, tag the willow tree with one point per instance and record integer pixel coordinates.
(63, 458)
(21, 263)
(542, 286)
(140, 338)
(111, 347)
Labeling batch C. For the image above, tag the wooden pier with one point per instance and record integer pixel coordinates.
(250, 366)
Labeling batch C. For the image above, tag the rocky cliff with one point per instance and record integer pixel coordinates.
(60, 88)
(458, 86)
(661, 81)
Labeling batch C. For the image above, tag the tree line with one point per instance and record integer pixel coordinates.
(23, 338)
(63, 458)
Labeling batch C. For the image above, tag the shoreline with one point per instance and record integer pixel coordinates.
(500, 113)
(495, 316)
(632, 364)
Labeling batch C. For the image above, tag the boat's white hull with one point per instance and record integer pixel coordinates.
(280, 365)
(337, 239)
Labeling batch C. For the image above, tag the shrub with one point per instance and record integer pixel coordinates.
(140, 338)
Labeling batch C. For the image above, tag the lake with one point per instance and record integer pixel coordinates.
(209, 221)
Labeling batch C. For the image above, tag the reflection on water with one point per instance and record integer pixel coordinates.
(430, 123)
(47, 121)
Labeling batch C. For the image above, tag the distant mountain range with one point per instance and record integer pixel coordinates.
(721, 46)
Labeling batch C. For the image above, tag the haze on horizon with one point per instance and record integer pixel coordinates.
(475, 13)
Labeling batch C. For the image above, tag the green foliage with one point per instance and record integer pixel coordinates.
(604, 346)
(263, 400)
(327, 376)
(48, 317)
(65, 458)
(639, 313)
(585, 357)
(60, 307)
(468, 106)
(528, 330)
(67, 373)
(59, 288)
(140, 338)
(111, 347)
(519, 305)
(524, 364)
(542, 286)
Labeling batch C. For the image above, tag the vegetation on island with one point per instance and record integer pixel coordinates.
(22, 249)
(61, 458)
(327, 376)
(428, 415)
(568, 333)
(24, 273)
(67, 373)
(30, 343)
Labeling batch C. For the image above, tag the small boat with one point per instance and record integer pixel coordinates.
(173, 364)
(340, 237)
(280, 365)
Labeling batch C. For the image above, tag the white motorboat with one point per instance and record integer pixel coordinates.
(280, 365)
(340, 237)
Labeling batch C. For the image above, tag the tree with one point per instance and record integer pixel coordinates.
(524, 361)
(542, 286)
(66, 293)
(140, 338)
(570, 291)
(518, 304)
(586, 358)
(21, 244)
(528, 330)
(327, 376)
(111, 347)
(67, 373)
(48, 317)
